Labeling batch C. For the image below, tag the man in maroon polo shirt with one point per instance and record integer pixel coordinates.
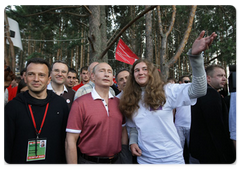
(95, 117)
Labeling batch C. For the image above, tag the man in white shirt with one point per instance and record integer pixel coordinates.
(183, 120)
(183, 117)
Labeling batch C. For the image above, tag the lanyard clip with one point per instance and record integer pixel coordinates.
(37, 135)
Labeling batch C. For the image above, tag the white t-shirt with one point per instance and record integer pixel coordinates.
(183, 116)
(157, 134)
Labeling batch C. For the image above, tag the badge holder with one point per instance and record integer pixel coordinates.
(36, 149)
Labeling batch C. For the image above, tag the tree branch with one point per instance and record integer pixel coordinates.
(207, 62)
(52, 9)
(185, 38)
(112, 37)
(82, 23)
(159, 20)
(227, 17)
(128, 25)
(172, 21)
(87, 9)
(70, 13)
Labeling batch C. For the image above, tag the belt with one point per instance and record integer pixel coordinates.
(96, 159)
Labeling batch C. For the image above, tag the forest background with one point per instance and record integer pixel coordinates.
(80, 34)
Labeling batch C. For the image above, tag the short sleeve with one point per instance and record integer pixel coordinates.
(75, 119)
(177, 95)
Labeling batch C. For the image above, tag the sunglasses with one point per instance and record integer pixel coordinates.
(186, 81)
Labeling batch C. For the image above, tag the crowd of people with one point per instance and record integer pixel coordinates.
(139, 119)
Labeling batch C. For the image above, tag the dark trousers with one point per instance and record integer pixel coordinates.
(125, 157)
(84, 161)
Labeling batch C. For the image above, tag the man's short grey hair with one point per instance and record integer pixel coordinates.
(210, 69)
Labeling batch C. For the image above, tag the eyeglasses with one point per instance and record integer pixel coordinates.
(187, 81)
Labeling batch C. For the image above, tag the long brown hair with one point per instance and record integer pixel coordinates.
(154, 94)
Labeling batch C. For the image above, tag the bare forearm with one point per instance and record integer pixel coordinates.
(124, 136)
(71, 148)
(71, 153)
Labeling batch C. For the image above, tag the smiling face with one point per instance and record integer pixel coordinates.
(103, 75)
(37, 78)
(59, 73)
(71, 79)
(141, 74)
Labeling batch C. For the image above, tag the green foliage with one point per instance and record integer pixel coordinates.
(59, 23)
(34, 55)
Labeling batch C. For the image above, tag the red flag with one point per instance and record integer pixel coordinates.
(124, 54)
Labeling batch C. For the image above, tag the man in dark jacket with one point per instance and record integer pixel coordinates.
(58, 74)
(209, 135)
(35, 121)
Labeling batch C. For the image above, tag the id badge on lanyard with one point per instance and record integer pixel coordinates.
(36, 149)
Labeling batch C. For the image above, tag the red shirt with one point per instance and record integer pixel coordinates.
(12, 92)
(75, 88)
(100, 134)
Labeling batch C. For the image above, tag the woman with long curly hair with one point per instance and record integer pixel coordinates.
(148, 103)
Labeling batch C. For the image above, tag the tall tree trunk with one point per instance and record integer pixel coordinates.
(83, 47)
(34, 45)
(149, 40)
(103, 29)
(5, 49)
(185, 37)
(155, 40)
(94, 33)
(167, 64)
(159, 55)
(77, 58)
(29, 42)
(61, 52)
(21, 62)
(50, 59)
(11, 47)
(4, 36)
(82, 51)
(132, 30)
(164, 36)
(88, 56)
(39, 47)
(72, 53)
(124, 29)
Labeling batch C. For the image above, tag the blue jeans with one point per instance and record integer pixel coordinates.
(183, 133)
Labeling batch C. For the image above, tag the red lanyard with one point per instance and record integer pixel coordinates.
(34, 123)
